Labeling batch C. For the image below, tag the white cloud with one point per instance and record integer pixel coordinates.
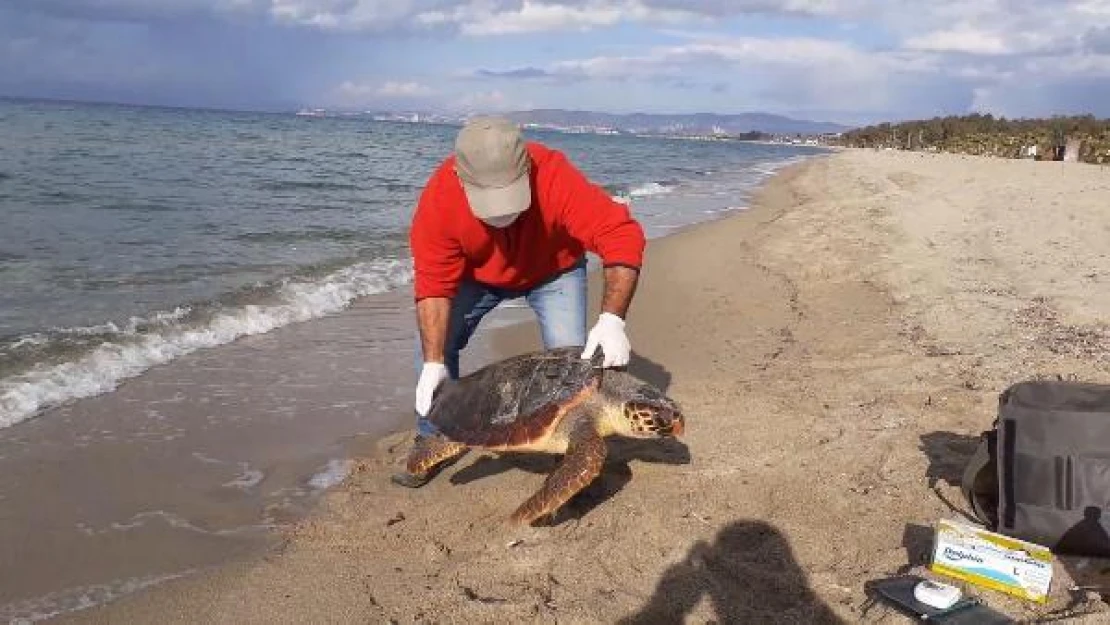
(740, 53)
(777, 73)
(393, 89)
(947, 56)
(1094, 8)
(493, 101)
(389, 89)
(731, 8)
(481, 19)
(1067, 66)
(962, 39)
(372, 16)
(352, 94)
(1001, 27)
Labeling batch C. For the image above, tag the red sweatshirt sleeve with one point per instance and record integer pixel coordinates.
(603, 225)
(437, 256)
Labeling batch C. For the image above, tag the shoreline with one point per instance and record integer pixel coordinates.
(512, 336)
(241, 464)
(241, 473)
(514, 331)
(837, 349)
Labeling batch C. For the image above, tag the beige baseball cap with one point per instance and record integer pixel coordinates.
(493, 165)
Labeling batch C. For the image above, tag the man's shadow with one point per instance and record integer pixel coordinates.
(750, 576)
(615, 474)
(1088, 537)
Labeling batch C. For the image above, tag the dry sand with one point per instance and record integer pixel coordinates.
(838, 349)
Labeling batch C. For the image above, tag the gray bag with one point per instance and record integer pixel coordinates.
(1042, 474)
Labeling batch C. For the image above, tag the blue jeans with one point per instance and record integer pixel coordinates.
(559, 304)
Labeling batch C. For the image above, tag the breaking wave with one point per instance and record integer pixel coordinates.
(125, 352)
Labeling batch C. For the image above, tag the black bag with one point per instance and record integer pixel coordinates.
(1042, 474)
(898, 592)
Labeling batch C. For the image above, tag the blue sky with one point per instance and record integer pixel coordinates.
(851, 61)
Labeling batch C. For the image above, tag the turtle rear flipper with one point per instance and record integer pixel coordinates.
(581, 465)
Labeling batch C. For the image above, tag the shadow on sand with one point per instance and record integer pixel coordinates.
(614, 475)
(948, 454)
(649, 371)
(749, 575)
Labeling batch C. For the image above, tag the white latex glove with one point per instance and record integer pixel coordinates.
(608, 333)
(432, 374)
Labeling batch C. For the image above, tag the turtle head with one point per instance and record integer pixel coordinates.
(651, 414)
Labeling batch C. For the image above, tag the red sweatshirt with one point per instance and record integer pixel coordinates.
(569, 215)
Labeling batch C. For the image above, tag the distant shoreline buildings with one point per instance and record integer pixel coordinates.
(690, 131)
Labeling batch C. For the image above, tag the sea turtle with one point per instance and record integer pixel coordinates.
(549, 401)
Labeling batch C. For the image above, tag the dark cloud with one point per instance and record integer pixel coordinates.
(697, 85)
(379, 16)
(1048, 95)
(523, 73)
(141, 11)
(1097, 40)
(186, 63)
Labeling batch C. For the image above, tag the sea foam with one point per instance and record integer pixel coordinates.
(76, 599)
(27, 394)
(650, 189)
(335, 472)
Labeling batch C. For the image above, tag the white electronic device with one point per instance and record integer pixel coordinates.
(936, 594)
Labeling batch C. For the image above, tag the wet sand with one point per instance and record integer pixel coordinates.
(838, 349)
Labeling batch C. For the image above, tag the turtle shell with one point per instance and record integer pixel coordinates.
(514, 401)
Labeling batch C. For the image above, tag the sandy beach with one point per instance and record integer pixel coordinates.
(837, 348)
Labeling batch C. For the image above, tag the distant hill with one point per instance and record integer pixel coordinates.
(685, 123)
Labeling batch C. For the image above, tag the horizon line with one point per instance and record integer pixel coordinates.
(293, 108)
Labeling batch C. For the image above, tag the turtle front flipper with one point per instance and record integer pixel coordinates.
(582, 463)
(429, 455)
